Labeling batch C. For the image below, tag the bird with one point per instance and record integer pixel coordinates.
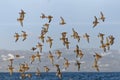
(49, 18)
(29, 75)
(26, 66)
(46, 69)
(111, 38)
(16, 37)
(42, 37)
(32, 58)
(95, 22)
(64, 34)
(78, 64)
(107, 44)
(77, 51)
(33, 48)
(58, 73)
(50, 41)
(67, 43)
(86, 36)
(101, 36)
(103, 46)
(58, 53)
(66, 63)
(17, 56)
(63, 39)
(97, 56)
(10, 69)
(20, 20)
(39, 46)
(46, 25)
(95, 65)
(38, 56)
(11, 61)
(22, 13)
(51, 57)
(22, 76)
(80, 54)
(62, 22)
(37, 72)
(24, 35)
(43, 16)
(102, 17)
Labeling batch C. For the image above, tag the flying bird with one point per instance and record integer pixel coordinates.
(62, 22)
(16, 37)
(43, 16)
(95, 22)
(20, 20)
(102, 17)
(50, 41)
(86, 36)
(95, 65)
(24, 35)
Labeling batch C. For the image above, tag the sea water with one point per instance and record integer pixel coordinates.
(65, 76)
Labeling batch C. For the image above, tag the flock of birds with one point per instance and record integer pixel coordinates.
(24, 67)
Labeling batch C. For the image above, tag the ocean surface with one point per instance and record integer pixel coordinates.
(65, 76)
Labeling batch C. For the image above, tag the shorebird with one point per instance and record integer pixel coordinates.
(77, 50)
(86, 36)
(67, 43)
(46, 69)
(46, 25)
(58, 73)
(44, 30)
(111, 38)
(102, 17)
(16, 37)
(33, 48)
(17, 56)
(80, 54)
(74, 33)
(49, 18)
(24, 35)
(103, 46)
(41, 37)
(66, 63)
(38, 56)
(64, 34)
(101, 36)
(37, 72)
(32, 58)
(95, 22)
(95, 65)
(107, 44)
(28, 75)
(21, 68)
(51, 57)
(97, 56)
(50, 41)
(63, 40)
(10, 69)
(78, 64)
(22, 13)
(26, 66)
(11, 61)
(39, 46)
(43, 16)
(58, 53)
(20, 20)
(62, 21)
(22, 76)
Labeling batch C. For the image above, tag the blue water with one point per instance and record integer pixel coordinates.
(66, 76)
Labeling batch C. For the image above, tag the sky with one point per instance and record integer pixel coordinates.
(78, 14)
